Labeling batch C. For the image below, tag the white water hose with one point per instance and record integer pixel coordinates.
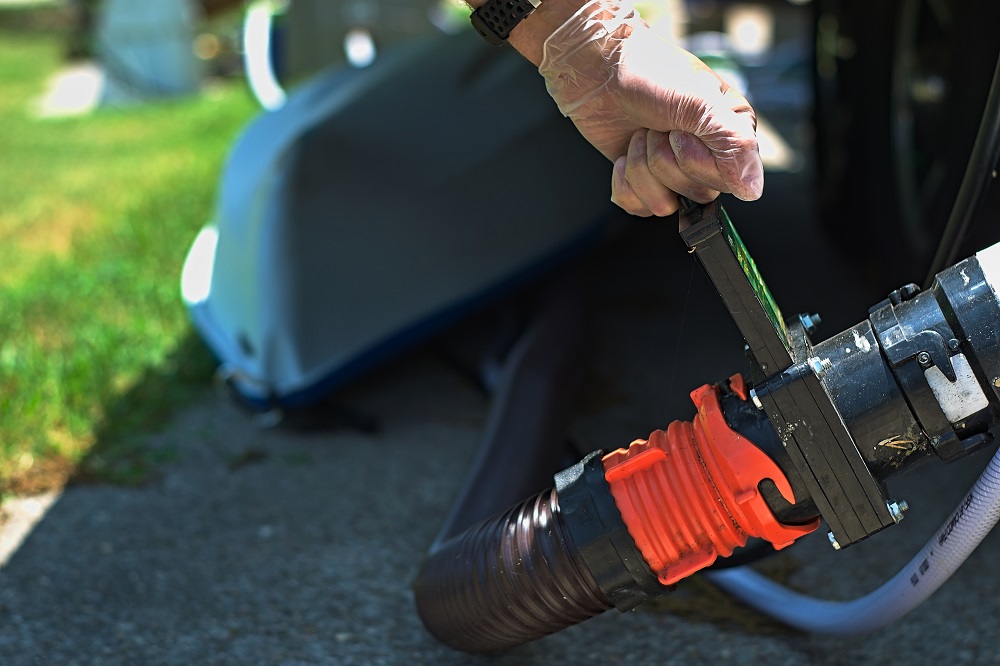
(950, 546)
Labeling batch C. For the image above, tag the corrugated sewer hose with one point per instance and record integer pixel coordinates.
(617, 529)
(516, 576)
(508, 581)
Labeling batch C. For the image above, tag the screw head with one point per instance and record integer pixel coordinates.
(896, 510)
(954, 344)
(810, 322)
(924, 359)
(909, 291)
(818, 366)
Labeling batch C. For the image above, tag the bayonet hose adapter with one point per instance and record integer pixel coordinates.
(616, 530)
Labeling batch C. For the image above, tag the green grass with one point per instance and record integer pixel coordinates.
(96, 215)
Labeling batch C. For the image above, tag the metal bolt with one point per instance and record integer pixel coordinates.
(909, 291)
(924, 359)
(819, 367)
(896, 510)
(954, 344)
(833, 541)
(810, 322)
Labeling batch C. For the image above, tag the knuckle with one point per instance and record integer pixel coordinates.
(666, 208)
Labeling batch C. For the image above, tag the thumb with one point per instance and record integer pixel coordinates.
(730, 134)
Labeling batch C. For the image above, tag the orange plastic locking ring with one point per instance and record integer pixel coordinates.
(690, 495)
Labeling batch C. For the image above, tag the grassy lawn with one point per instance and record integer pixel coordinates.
(96, 215)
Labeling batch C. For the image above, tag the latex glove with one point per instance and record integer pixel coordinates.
(667, 121)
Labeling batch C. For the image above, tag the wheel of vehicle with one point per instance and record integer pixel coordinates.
(900, 88)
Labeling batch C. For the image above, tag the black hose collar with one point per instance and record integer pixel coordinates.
(601, 537)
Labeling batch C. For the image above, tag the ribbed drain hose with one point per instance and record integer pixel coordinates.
(511, 579)
(617, 529)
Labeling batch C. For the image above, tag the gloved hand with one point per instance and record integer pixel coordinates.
(667, 121)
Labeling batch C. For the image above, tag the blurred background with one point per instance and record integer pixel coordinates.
(118, 115)
(126, 126)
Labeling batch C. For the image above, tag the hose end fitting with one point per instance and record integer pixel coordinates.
(690, 494)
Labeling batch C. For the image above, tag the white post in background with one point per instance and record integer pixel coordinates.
(145, 49)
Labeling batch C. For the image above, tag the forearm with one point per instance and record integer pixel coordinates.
(530, 35)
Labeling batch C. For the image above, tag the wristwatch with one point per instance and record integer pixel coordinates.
(495, 19)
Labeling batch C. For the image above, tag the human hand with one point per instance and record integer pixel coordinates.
(667, 121)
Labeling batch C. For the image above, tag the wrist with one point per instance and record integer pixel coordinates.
(581, 59)
(529, 36)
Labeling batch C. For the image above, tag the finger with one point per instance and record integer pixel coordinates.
(744, 172)
(663, 166)
(727, 164)
(696, 161)
(735, 148)
(621, 192)
(655, 196)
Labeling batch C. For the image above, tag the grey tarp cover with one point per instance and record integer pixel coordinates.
(379, 205)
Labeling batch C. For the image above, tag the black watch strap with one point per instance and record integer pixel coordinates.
(495, 19)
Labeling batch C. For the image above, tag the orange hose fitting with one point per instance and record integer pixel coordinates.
(689, 495)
